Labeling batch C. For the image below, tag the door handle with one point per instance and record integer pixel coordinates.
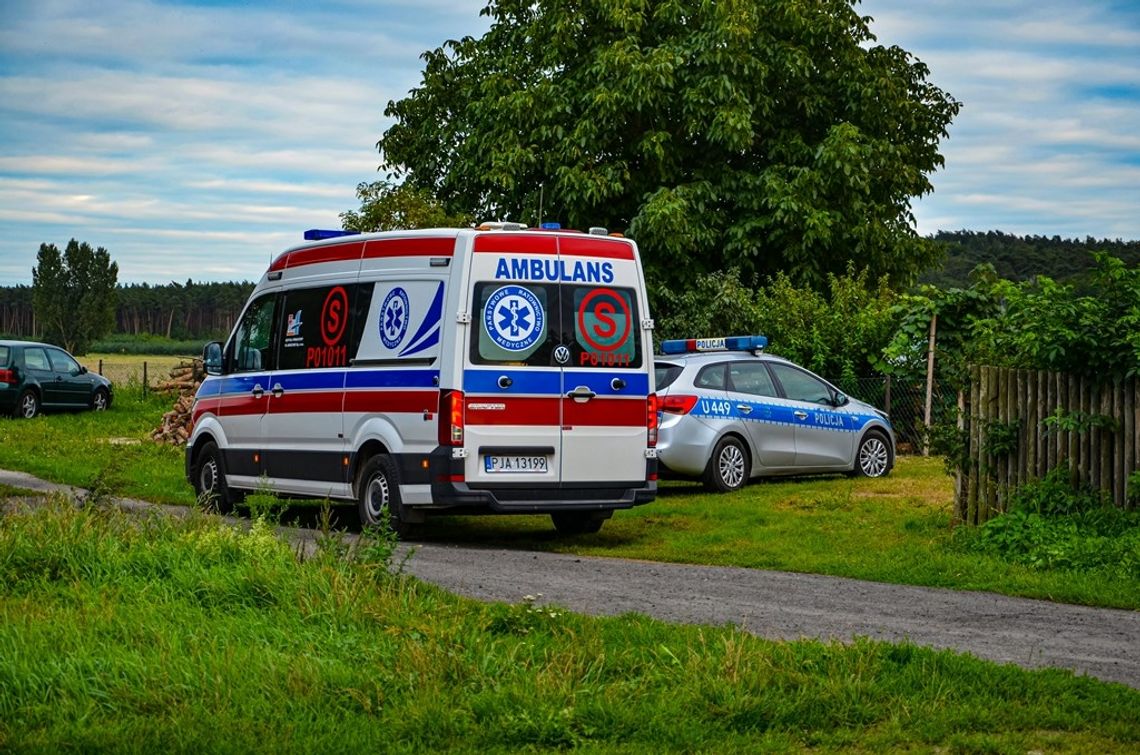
(278, 391)
(744, 408)
(800, 414)
(258, 391)
(581, 393)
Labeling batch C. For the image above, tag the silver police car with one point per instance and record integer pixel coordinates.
(727, 412)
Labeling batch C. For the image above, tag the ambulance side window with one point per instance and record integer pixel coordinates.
(251, 348)
(316, 327)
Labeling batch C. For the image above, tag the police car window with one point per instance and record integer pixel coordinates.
(801, 386)
(711, 377)
(251, 343)
(751, 378)
(317, 330)
(512, 323)
(665, 374)
(606, 329)
(36, 359)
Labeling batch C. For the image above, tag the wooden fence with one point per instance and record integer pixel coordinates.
(1095, 432)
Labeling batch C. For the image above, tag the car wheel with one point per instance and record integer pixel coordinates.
(577, 522)
(378, 496)
(101, 400)
(28, 405)
(728, 467)
(210, 480)
(874, 458)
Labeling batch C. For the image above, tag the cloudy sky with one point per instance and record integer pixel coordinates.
(197, 139)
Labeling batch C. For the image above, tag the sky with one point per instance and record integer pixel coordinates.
(197, 139)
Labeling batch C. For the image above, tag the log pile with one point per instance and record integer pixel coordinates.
(185, 377)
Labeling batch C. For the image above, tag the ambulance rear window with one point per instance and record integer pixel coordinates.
(525, 323)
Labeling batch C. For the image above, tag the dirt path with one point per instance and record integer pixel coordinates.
(1101, 642)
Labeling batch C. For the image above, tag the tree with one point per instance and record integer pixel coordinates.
(74, 294)
(770, 136)
(385, 206)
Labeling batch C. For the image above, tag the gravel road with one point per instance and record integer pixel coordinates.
(1100, 642)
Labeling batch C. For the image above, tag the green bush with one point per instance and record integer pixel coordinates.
(1052, 525)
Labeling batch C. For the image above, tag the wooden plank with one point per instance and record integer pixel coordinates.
(1131, 463)
(974, 446)
(1031, 424)
(1090, 398)
(1072, 401)
(1022, 427)
(1105, 463)
(960, 474)
(1118, 467)
(1085, 448)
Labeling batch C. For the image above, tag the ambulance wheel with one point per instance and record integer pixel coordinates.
(874, 458)
(728, 468)
(378, 496)
(577, 522)
(210, 480)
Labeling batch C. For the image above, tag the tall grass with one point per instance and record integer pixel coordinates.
(149, 633)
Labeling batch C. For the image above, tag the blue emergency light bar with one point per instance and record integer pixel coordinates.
(316, 234)
(731, 343)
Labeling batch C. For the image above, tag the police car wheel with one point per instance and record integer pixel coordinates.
(874, 456)
(728, 467)
(210, 480)
(378, 496)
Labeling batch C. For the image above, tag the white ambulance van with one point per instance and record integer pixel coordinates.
(499, 369)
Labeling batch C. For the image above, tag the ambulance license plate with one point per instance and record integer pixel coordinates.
(514, 464)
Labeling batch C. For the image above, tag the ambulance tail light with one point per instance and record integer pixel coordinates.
(651, 420)
(451, 418)
(679, 404)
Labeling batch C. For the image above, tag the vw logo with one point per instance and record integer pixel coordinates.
(561, 354)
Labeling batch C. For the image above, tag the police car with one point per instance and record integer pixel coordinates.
(728, 412)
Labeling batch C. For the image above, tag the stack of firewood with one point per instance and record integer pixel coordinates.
(185, 377)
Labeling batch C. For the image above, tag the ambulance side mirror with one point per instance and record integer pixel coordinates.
(212, 358)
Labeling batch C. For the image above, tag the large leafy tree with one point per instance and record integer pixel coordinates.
(74, 294)
(386, 206)
(771, 136)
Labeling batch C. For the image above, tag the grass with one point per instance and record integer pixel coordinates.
(897, 529)
(132, 633)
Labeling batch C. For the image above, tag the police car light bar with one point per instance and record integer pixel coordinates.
(731, 343)
(316, 234)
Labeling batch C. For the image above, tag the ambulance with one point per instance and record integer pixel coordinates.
(501, 369)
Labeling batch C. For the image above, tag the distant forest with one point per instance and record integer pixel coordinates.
(1020, 258)
(190, 311)
(202, 311)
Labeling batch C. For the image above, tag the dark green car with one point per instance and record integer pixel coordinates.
(37, 377)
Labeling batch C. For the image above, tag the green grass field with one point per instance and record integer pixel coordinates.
(129, 633)
(896, 529)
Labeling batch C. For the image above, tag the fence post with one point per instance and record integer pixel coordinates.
(929, 383)
(100, 366)
(144, 380)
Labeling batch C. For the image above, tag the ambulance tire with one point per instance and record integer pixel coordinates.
(727, 469)
(577, 522)
(210, 480)
(378, 496)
